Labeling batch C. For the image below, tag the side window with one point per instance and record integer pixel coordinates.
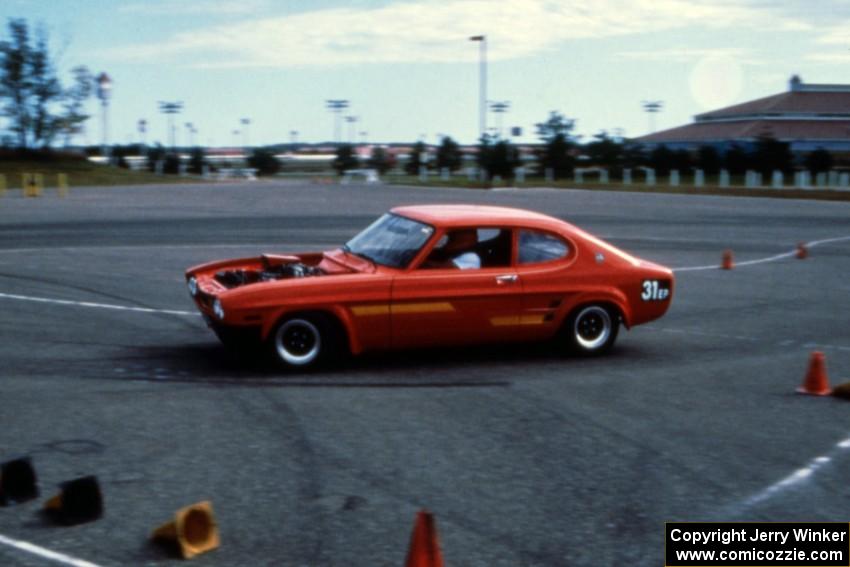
(471, 248)
(535, 247)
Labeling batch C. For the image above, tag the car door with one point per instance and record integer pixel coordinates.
(446, 303)
(545, 265)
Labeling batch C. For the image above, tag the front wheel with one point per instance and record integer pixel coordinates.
(302, 342)
(592, 329)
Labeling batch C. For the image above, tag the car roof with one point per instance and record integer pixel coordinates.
(465, 215)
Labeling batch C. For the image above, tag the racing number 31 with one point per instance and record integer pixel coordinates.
(652, 291)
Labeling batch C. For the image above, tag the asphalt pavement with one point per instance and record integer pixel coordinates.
(524, 456)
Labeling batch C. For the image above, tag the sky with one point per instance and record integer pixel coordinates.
(410, 71)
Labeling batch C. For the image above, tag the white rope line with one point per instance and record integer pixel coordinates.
(773, 258)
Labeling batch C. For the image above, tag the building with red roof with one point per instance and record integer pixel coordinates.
(807, 116)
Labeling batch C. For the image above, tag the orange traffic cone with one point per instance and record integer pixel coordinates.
(424, 545)
(728, 263)
(802, 251)
(816, 382)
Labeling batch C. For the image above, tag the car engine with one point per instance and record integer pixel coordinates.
(236, 278)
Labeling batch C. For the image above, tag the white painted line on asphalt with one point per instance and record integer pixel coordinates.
(44, 553)
(774, 258)
(797, 476)
(95, 305)
(301, 247)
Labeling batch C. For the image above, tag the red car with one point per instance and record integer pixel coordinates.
(434, 275)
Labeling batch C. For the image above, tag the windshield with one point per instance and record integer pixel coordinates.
(391, 240)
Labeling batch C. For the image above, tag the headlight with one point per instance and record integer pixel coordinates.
(193, 286)
(218, 309)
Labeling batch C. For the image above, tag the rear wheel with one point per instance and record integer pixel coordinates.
(303, 341)
(592, 329)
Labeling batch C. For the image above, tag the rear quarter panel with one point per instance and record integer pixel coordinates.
(599, 273)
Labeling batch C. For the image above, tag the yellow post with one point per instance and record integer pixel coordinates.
(28, 184)
(2, 184)
(32, 184)
(62, 184)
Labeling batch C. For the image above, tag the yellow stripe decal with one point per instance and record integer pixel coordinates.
(434, 307)
(517, 320)
(361, 310)
(403, 308)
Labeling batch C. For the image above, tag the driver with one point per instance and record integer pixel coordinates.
(459, 249)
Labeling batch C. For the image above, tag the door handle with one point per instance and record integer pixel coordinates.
(507, 278)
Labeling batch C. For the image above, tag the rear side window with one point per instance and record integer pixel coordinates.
(536, 247)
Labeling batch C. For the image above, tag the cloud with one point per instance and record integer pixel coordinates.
(835, 34)
(194, 7)
(692, 55)
(435, 31)
(841, 57)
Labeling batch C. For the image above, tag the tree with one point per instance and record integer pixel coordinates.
(171, 163)
(557, 124)
(633, 155)
(416, 160)
(45, 90)
(682, 160)
(381, 160)
(30, 89)
(264, 161)
(819, 161)
(155, 154)
(708, 159)
(345, 158)
(72, 119)
(771, 155)
(605, 151)
(498, 157)
(735, 159)
(197, 161)
(15, 82)
(449, 155)
(558, 142)
(662, 160)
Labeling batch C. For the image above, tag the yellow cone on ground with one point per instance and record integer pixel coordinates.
(194, 530)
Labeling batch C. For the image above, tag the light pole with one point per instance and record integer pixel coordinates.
(652, 107)
(352, 120)
(170, 109)
(336, 106)
(498, 108)
(245, 123)
(104, 91)
(482, 83)
(143, 128)
(190, 133)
